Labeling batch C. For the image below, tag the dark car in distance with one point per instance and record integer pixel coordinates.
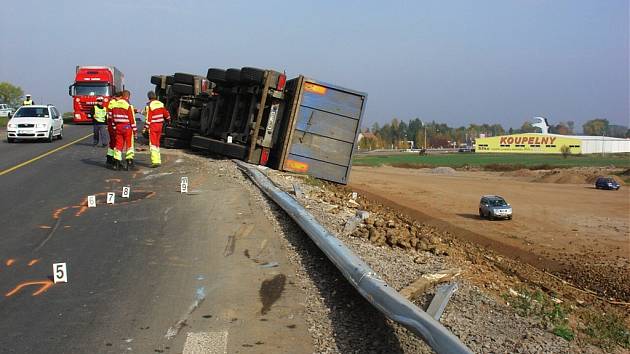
(606, 183)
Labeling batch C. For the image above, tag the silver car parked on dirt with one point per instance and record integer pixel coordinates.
(494, 207)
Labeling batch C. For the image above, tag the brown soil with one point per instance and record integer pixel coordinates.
(572, 230)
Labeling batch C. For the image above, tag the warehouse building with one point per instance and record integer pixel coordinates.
(545, 143)
(537, 143)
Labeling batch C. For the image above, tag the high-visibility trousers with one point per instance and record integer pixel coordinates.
(124, 141)
(112, 140)
(155, 132)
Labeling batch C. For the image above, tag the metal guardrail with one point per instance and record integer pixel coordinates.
(361, 276)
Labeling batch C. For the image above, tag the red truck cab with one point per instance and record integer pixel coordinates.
(91, 82)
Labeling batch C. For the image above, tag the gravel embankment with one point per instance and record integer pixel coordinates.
(341, 321)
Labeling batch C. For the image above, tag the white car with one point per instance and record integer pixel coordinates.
(35, 122)
(5, 110)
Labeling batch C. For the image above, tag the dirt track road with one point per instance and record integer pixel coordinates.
(574, 230)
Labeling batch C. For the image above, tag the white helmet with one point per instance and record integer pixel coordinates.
(28, 95)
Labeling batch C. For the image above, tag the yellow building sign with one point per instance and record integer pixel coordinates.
(528, 143)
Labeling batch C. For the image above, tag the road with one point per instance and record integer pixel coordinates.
(160, 272)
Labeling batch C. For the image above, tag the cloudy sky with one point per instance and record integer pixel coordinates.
(457, 62)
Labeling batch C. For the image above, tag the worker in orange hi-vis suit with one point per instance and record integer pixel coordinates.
(110, 129)
(124, 119)
(155, 114)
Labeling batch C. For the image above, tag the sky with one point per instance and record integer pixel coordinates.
(456, 62)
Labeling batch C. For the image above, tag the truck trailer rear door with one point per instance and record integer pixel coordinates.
(322, 130)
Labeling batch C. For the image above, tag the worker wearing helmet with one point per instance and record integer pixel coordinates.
(28, 101)
(99, 117)
(155, 114)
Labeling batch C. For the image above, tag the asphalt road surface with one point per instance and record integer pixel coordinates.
(160, 271)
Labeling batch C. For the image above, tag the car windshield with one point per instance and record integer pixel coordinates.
(496, 202)
(91, 90)
(39, 112)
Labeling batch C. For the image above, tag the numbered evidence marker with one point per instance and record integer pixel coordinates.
(60, 274)
(229, 139)
(126, 191)
(111, 196)
(91, 201)
(183, 185)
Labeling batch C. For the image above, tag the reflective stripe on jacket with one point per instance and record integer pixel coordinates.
(156, 113)
(100, 114)
(122, 113)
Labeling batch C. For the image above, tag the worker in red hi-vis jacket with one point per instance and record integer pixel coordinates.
(155, 114)
(111, 129)
(124, 119)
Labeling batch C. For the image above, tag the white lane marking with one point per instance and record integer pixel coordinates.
(206, 343)
(200, 295)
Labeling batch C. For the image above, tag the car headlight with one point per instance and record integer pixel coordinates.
(10, 125)
(40, 125)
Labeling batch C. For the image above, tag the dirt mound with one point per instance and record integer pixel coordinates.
(521, 173)
(443, 171)
(574, 176)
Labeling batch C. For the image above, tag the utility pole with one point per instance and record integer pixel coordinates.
(425, 137)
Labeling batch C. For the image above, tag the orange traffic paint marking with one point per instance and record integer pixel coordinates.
(44, 285)
(45, 227)
(58, 212)
(33, 262)
(9, 262)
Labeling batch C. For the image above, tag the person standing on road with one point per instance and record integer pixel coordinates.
(155, 114)
(99, 117)
(28, 101)
(123, 116)
(111, 131)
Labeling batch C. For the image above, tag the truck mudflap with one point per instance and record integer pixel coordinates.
(322, 129)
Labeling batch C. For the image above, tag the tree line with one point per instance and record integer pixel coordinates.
(399, 134)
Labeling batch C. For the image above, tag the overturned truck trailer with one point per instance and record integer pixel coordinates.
(299, 125)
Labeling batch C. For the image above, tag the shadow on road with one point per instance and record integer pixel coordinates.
(358, 327)
(469, 216)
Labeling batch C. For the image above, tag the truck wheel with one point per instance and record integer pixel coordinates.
(216, 75)
(178, 133)
(252, 75)
(172, 143)
(233, 76)
(156, 80)
(183, 89)
(183, 78)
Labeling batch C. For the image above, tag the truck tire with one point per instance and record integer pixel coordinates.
(173, 143)
(183, 78)
(216, 75)
(252, 75)
(183, 89)
(233, 76)
(178, 133)
(156, 80)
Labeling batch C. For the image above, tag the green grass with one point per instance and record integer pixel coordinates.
(540, 305)
(494, 161)
(4, 121)
(608, 330)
